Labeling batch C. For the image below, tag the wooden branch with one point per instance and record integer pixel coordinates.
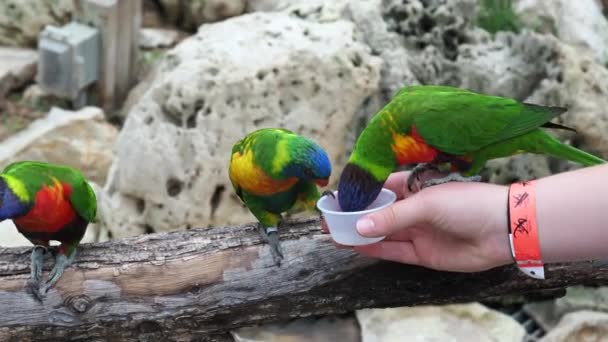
(198, 284)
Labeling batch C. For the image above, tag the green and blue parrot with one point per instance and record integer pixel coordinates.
(274, 171)
(434, 126)
(47, 202)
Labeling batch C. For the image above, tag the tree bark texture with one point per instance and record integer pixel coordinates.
(196, 285)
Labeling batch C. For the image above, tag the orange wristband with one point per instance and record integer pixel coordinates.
(523, 232)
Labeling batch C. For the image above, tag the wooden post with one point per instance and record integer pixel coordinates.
(127, 53)
(119, 22)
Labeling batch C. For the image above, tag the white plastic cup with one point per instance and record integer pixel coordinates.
(343, 225)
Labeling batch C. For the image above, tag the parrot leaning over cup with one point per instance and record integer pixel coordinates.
(47, 202)
(274, 171)
(435, 126)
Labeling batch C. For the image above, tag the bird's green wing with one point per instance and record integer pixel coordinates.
(457, 122)
(83, 198)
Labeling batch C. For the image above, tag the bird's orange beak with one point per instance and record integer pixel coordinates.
(322, 182)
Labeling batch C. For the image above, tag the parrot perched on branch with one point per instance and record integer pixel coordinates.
(47, 202)
(274, 171)
(433, 126)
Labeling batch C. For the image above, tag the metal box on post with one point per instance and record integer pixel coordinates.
(69, 60)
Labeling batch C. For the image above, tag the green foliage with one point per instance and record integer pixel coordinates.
(153, 56)
(498, 15)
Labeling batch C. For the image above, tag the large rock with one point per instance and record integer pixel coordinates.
(329, 328)
(190, 14)
(457, 322)
(17, 68)
(548, 313)
(575, 80)
(579, 23)
(580, 326)
(22, 20)
(436, 42)
(153, 38)
(412, 37)
(257, 70)
(79, 139)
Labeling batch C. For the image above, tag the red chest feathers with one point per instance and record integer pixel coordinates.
(52, 210)
(410, 149)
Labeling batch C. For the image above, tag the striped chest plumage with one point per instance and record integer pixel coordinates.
(51, 210)
(251, 178)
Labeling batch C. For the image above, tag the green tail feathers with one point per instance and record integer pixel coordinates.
(565, 151)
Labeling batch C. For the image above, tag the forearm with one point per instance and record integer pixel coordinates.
(572, 214)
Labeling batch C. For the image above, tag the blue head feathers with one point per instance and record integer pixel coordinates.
(310, 162)
(10, 205)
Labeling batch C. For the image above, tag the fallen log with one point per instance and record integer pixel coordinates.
(196, 285)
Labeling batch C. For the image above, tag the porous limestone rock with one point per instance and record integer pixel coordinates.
(17, 68)
(190, 14)
(257, 70)
(152, 38)
(579, 326)
(578, 23)
(328, 328)
(80, 139)
(517, 168)
(22, 20)
(578, 298)
(410, 36)
(575, 80)
(446, 323)
(436, 42)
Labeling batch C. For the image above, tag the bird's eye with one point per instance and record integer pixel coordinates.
(308, 173)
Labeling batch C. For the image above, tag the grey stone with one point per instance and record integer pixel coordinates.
(152, 38)
(171, 170)
(17, 68)
(191, 14)
(577, 23)
(580, 326)
(22, 20)
(456, 322)
(80, 139)
(328, 328)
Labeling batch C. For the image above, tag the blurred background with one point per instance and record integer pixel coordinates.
(147, 97)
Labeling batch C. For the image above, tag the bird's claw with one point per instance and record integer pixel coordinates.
(416, 172)
(33, 284)
(33, 287)
(61, 263)
(271, 236)
(275, 248)
(328, 193)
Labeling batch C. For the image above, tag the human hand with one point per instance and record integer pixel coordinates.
(456, 226)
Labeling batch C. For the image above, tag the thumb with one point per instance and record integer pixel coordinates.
(400, 215)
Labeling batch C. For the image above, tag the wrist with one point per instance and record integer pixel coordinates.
(499, 226)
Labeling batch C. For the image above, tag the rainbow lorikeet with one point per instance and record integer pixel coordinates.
(47, 202)
(274, 171)
(435, 126)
